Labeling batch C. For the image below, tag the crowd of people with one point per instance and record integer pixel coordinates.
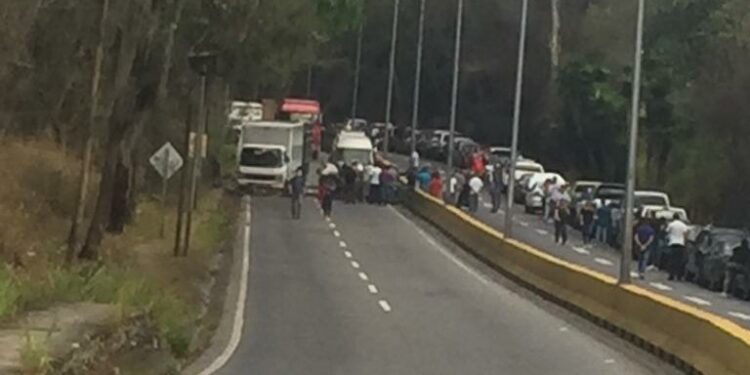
(355, 183)
(597, 220)
(656, 242)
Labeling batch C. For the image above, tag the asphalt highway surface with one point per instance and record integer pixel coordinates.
(602, 258)
(373, 292)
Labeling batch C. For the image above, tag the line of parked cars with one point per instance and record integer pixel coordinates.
(708, 249)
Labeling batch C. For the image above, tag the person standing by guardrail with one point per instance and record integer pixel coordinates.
(495, 176)
(560, 212)
(588, 211)
(738, 264)
(475, 185)
(644, 238)
(676, 231)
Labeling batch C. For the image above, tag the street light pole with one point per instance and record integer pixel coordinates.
(454, 93)
(355, 91)
(627, 242)
(417, 79)
(516, 118)
(391, 73)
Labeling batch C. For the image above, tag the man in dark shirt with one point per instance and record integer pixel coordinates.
(738, 264)
(588, 211)
(297, 191)
(644, 237)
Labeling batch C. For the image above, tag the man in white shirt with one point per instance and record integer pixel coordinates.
(676, 235)
(414, 160)
(376, 195)
(475, 185)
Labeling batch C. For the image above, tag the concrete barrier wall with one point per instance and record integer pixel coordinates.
(707, 342)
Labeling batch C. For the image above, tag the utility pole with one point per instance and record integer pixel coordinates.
(627, 243)
(454, 93)
(309, 80)
(417, 79)
(184, 176)
(202, 63)
(355, 91)
(516, 118)
(391, 73)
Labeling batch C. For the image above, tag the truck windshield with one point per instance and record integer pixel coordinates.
(352, 155)
(260, 157)
(650, 200)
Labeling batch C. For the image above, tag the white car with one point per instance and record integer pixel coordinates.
(534, 199)
(523, 167)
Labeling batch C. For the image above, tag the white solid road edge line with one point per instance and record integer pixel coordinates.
(239, 312)
(442, 249)
(384, 305)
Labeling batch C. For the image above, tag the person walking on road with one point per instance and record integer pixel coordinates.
(330, 186)
(560, 211)
(645, 235)
(376, 195)
(350, 178)
(297, 192)
(676, 234)
(475, 188)
(738, 265)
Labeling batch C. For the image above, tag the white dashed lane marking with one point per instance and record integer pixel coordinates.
(603, 261)
(336, 233)
(384, 305)
(580, 250)
(542, 232)
(487, 205)
(524, 224)
(355, 264)
(609, 361)
(332, 225)
(739, 315)
(697, 301)
(372, 288)
(347, 254)
(363, 276)
(342, 244)
(661, 286)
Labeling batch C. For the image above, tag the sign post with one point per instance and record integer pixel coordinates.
(166, 161)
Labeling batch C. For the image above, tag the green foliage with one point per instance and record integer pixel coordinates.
(593, 113)
(9, 293)
(34, 356)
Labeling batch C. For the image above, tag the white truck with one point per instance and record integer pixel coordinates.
(269, 152)
(351, 146)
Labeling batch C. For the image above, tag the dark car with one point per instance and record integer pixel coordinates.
(608, 192)
(708, 255)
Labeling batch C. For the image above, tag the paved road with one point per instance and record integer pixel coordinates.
(371, 293)
(531, 230)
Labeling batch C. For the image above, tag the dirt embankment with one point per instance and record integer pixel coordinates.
(139, 309)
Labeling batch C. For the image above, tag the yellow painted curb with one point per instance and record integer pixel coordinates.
(709, 343)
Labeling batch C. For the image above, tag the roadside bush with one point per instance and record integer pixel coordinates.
(9, 294)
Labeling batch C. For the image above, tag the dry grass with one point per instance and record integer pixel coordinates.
(37, 195)
(138, 272)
